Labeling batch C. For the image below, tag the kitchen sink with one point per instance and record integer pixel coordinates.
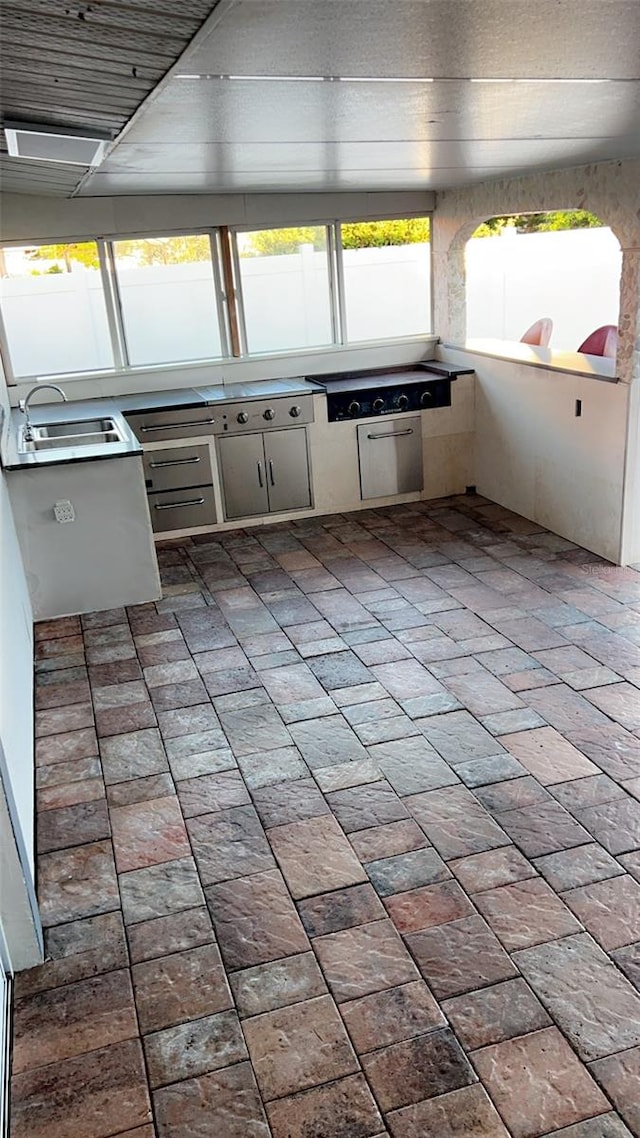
(72, 433)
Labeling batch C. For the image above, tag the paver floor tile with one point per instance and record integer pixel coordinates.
(417, 1069)
(431, 905)
(194, 1048)
(538, 1083)
(615, 824)
(609, 910)
(91, 1096)
(588, 997)
(465, 1111)
(455, 822)
(341, 909)
(255, 920)
(393, 1015)
(581, 865)
(548, 756)
(68, 1021)
(277, 984)
(491, 869)
(364, 959)
(315, 856)
(620, 1077)
(229, 1096)
(494, 1014)
(298, 1047)
(173, 989)
(460, 956)
(342, 1109)
(543, 829)
(525, 913)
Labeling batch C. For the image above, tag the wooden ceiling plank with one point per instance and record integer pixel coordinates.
(109, 71)
(82, 32)
(186, 10)
(20, 44)
(119, 92)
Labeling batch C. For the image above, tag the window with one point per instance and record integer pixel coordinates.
(386, 269)
(286, 296)
(54, 310)
(111, 304)
(167, 297)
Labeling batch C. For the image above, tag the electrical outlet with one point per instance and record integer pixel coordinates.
(64, 512)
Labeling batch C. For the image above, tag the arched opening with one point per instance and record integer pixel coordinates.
(546, 279)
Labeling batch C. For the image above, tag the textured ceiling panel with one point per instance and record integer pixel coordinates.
(510, 38)
(220, 110)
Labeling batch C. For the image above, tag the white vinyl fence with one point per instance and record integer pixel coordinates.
(573, 276)
(57, 322)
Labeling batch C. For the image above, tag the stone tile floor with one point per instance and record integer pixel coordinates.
(342, 839)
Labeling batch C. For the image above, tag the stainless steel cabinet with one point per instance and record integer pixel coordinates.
(287, 467)
(390, 456)
(242, 466)
(265, 473)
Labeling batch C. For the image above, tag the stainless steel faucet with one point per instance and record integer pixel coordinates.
(24, 405)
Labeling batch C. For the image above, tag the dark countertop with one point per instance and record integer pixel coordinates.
(117, 407)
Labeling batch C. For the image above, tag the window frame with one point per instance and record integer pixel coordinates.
(228, 296)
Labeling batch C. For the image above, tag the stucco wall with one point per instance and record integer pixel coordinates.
(611, 190)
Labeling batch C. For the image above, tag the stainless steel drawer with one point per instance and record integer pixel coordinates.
(390, 455)
(177, 423)
(182, 509)
(182, 466)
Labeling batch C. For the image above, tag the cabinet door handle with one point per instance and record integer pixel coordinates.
(272, 479)
(174, 462)
(392, 434)
(260, 479)
(178, 505)
(176, 426)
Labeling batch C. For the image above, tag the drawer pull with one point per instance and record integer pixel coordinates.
(178, 505)
(176, 426)
(174, 462)
(260, 481)
(272, 479)
(392, 434)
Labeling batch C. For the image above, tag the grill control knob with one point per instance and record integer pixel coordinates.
(426, 398)
(295, 411)
(243, 417)
(403, 402)
(354, 408)
(378, 405)
(269, 413)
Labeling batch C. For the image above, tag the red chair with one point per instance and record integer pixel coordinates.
(539, 333)
(602, 342)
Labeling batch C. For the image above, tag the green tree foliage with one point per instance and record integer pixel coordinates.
(81, 252)
(355, 235)
(166, 250)
(539, 222)
(375, 234)
(277, 242)
(143, 251)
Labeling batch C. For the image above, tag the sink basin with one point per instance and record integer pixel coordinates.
(73, 433)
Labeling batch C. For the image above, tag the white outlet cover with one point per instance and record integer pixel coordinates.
(64, 512)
